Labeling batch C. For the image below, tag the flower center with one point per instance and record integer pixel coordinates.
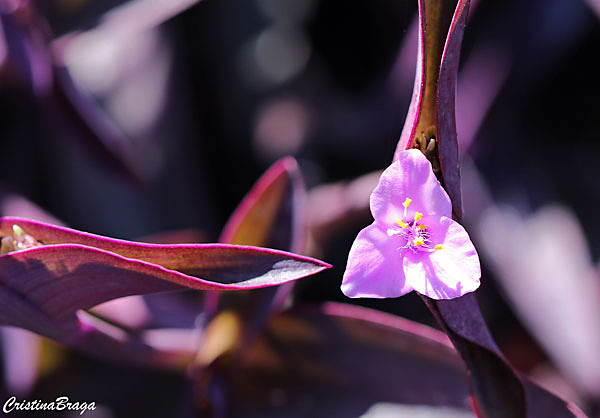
(413, 233)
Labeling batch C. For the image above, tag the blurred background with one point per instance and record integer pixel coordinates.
(128, 118)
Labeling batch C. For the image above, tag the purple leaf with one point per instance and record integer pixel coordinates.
(200, 266)
(43, 306)
(541, 403)
(26, 59)
(130, 312)
(495, 386)
(132, 17)
(554, 265)
(101, 135)
(60, 279)
(431, 111)
(98, 133)
(339, 360)
(20, 353)
(31, 56)
(272, 214)
(43, 287)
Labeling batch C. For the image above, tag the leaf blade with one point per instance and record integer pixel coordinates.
(222, 264)
(326, 354)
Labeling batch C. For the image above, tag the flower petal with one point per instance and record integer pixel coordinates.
(447, 273)
(410, 176)
(374, 266)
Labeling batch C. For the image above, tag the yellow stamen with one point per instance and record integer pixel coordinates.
(406, 202)
(439, 246)
(418, 216)
(422, 227)
(419, 241)
(402, 224)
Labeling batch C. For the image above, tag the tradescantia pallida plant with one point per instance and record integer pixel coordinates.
(380, 265)
(57, 273)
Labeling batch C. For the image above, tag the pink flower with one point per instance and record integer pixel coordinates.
(413, 243)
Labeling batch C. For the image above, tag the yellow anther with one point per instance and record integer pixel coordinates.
(18, 231)
(418, 216)
(402, 224)
(406, 202)
(439, 246)
(422, 227)
(419, 241)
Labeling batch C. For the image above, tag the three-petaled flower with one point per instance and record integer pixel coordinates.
(413, 244)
